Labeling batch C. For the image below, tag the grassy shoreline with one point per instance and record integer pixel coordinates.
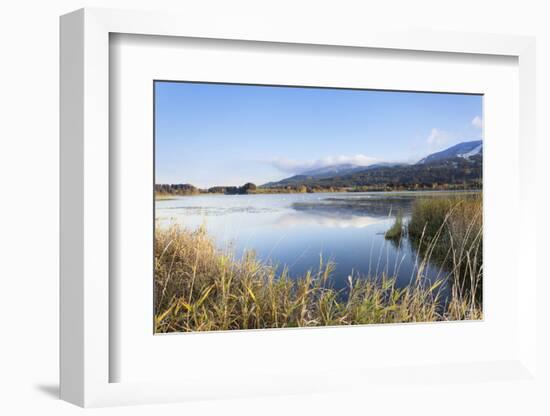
(169, 196)
(200, 288)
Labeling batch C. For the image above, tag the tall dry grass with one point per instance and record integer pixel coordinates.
(200, 288)
(449, 232)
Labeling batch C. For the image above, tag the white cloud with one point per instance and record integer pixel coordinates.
(477, 122)
(295, 166)
(437, 137)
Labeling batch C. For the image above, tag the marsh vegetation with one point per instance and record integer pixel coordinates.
(201, 287)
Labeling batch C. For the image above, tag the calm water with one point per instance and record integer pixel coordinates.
(295, 229)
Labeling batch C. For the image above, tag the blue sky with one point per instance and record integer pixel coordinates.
(222, 134)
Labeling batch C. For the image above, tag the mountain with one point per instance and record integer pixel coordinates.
(342, 169)
(459, 164)
(332, 170)
(463, 150)
(327, 172)
(385, 165)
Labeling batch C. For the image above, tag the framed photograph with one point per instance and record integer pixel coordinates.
(256, 212)
(283, 221)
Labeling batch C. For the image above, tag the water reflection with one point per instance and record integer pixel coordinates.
(297, 230)
(327, 219)
(375, 206)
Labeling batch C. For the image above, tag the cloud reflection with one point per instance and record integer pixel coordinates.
(326, 219)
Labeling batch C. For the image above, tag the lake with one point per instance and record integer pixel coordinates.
(295, 230)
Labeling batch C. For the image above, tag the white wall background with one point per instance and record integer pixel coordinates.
(29, 173)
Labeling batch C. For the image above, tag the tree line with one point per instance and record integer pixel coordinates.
(188, 189)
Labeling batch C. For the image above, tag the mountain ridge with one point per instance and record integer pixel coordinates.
(459, 163)
(463, 149)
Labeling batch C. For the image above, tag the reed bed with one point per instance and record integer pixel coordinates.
(396, 231)
(201, 288)
(449, 231)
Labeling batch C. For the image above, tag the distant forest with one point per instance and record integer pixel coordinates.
(449, 174)
(452, 171)
(188, 189)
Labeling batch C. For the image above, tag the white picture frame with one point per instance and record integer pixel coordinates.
(86, 304)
